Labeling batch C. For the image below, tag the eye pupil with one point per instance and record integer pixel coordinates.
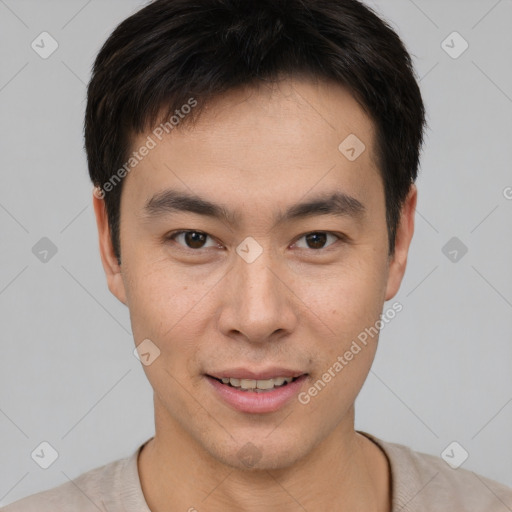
(194, 239)
(319, 240)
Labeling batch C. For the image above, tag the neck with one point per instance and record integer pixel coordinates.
(345, 469)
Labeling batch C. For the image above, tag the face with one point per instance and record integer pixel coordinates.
(252, 246)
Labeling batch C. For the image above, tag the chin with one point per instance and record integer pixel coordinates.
(257, 453)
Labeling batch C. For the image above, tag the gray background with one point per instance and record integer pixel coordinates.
(68, 375)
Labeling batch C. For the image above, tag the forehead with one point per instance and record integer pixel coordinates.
(262, 143)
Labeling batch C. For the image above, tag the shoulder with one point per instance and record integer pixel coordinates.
(86, 493)
(422, 482)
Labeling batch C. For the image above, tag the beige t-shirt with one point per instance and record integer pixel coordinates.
(420, 483)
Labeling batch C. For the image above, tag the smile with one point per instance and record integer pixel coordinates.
(257, 395)
(258, 386)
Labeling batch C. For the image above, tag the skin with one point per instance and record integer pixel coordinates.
(257, 151)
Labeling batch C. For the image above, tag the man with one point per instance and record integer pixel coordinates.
(254, 168)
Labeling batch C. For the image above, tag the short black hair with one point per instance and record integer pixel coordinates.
(173, 53)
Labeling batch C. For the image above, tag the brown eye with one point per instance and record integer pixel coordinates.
(192, 239)
(317, 239)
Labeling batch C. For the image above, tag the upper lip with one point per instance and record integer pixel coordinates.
(245, 373)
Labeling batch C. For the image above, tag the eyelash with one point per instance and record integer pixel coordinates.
(340, 237)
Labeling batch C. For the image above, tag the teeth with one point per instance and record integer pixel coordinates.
(248, 383)
(251, 384)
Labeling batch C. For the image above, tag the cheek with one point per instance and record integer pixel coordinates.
(347, 297)
(170, 313)
(350, 307)
(166, 306)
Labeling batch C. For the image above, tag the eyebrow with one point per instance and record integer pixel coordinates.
(330, 203)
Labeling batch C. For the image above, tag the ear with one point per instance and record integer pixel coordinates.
(405, 230)
(110, 264)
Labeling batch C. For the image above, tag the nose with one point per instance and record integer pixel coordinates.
(258, 304)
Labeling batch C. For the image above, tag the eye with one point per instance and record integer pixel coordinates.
(317, 239)
(192, 239)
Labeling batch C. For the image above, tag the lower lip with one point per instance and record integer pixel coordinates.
(251, 401)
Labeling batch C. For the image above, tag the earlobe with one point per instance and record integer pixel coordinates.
(404, 233)
(109, 261)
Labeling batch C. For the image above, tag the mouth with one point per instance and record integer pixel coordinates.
(257, 395)
(256, 385)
